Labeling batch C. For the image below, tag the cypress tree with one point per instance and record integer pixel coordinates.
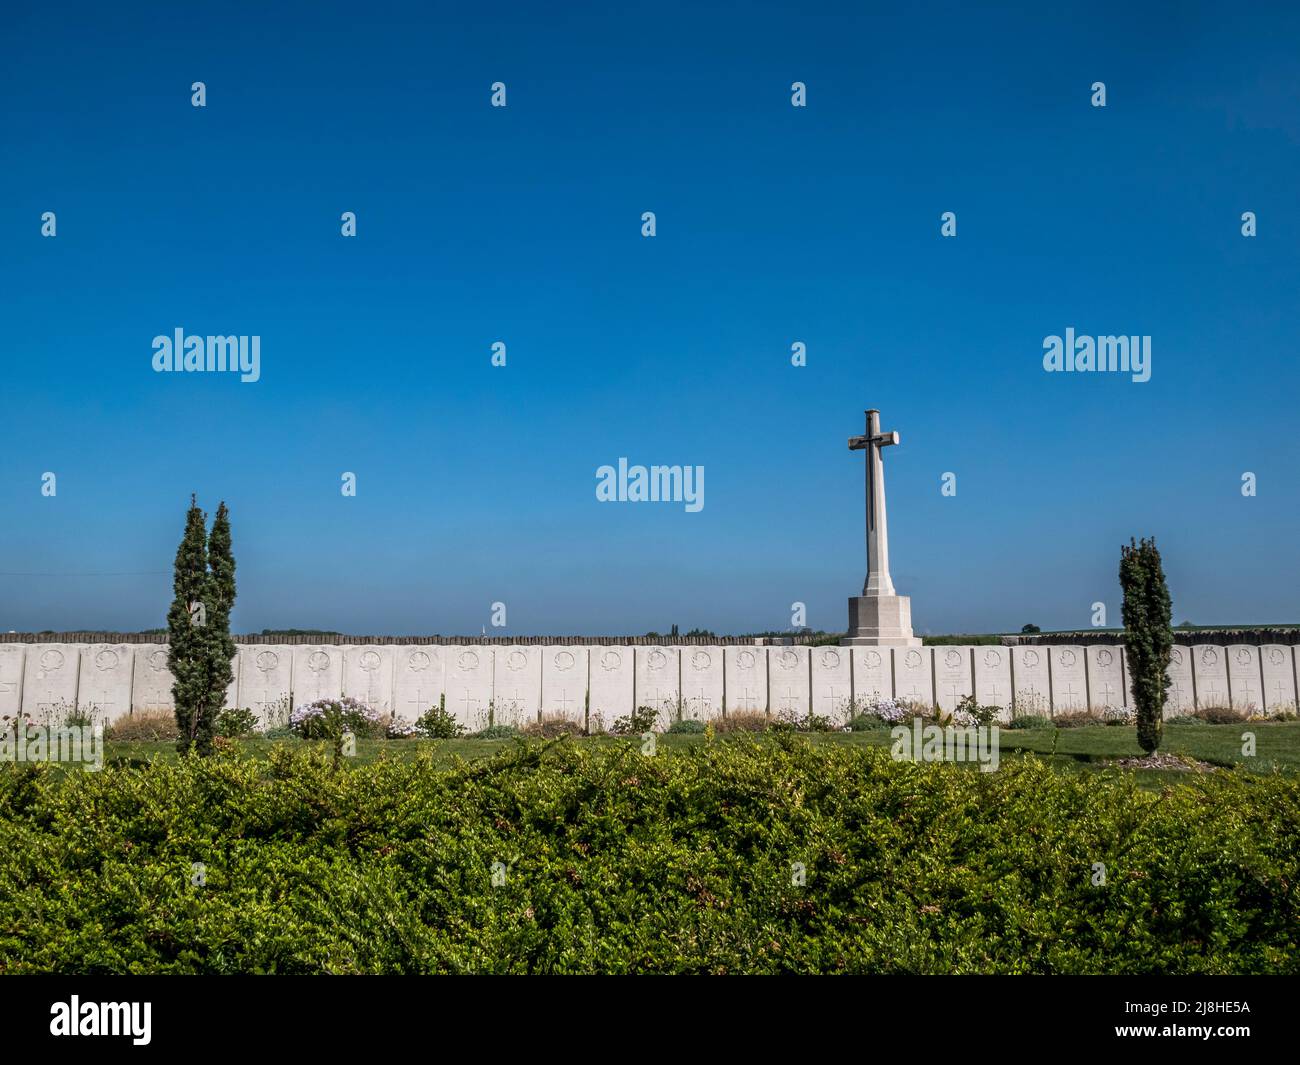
(1148, 635)
(186, 650)
(221, 562)
(220, 645)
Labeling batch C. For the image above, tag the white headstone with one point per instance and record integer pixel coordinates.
(1179, 696)
(152, 680)
(1033, 682)
(517, 685)
(50, 680)
(746, 679)
(1279, 677)
(610, 679)
(266, 682)
(701, 683)
(1210, 669)
(993, 678)
(952, 676)
(104, 690)
(1105, 678)
(788, 678)
(564, 682)
(1245, 678)
(1069, 679)
(468, 671)
(658, 681)
(418, 680)
(873, 676)
(832, 683)
(11, 680)
(317, 673)
(368, 675)
(914, 676)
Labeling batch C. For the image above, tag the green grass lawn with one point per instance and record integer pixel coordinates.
(1073, 750)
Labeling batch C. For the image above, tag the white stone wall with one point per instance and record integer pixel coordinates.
(517, 683)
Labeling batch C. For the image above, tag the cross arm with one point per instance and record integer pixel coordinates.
(857, 443)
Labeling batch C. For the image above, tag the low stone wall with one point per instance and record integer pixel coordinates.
(514, 683)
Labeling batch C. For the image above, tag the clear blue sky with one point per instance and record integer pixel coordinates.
(775, 225)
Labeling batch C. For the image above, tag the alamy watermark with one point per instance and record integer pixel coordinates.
(215, 354)
(935, 743)
(102, 1018)
(1111, 354)
(654, 484)
(24, 742)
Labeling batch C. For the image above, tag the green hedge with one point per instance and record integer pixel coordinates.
(618, 862)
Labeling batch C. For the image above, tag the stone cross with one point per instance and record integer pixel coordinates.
(878, 581)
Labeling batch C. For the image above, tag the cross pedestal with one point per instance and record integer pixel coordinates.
(878, 617)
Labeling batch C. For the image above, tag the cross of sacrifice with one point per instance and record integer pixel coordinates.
(878, 581)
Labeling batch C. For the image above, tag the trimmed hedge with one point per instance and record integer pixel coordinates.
(618, 862)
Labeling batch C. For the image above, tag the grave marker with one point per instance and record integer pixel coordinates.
(610, 679)
(1033, 681)
(517, 685)
(1180, 695)
(702, 682)
(1279, 677)
(745, 673)
(1245, 678)
(564, 682)
(1105, 678)
(832, 682)
(419, 683)
(658, 681)
(1210, 670)
(469, 674)
(788, 678)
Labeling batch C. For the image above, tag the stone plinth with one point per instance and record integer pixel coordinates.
(880, 621)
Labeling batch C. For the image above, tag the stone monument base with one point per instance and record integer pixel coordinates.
(880, 621)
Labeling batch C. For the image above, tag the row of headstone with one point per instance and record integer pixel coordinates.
(516, 684)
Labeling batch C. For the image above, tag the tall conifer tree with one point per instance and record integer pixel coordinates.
(1148, 636)
(220, 645)
(187, 642)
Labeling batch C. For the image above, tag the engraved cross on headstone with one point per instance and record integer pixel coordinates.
(878, 581)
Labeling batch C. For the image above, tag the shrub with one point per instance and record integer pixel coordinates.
(334, 720)
(398, 728)
(1031, 704)
(793, 721)
(1220, 715)
(327, 718)
(1031, 721)
(1119, 715)
(232, 724)
(919, 709)
(385, 867)
(867, 723)
(496, 732)
(438, 723)
(147, 726)
(743, 721)
(642, 719)
(1076, 719)
(887, 711)
(552, 726)
(280, 732)
(688, 727)
(969, 713)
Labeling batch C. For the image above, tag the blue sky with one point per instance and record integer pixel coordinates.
(523, 225)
